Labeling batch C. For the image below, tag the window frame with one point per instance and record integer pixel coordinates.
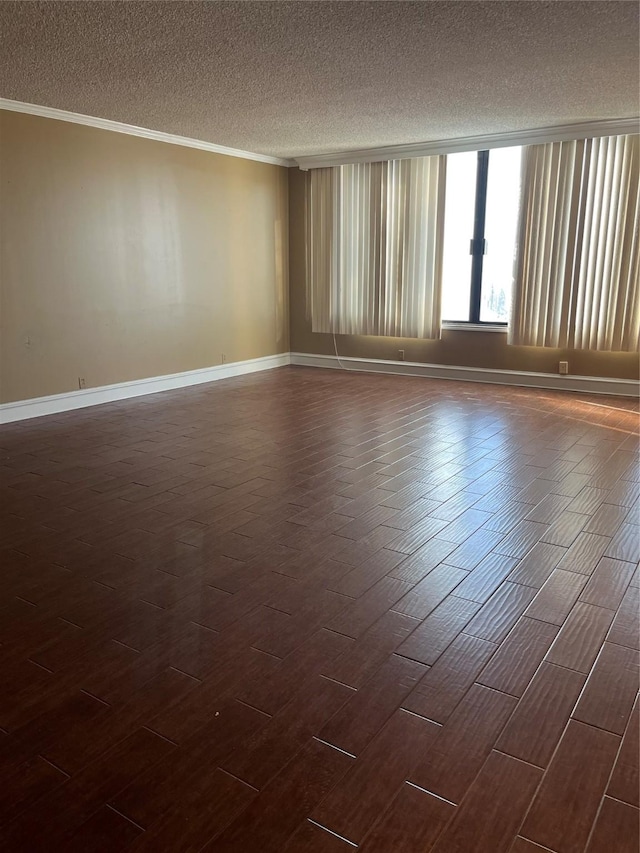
(477, 250)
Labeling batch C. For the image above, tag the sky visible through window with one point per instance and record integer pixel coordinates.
(458, 230)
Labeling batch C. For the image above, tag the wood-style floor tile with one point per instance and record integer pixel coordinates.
(611, 688)
(376, 776)
(534, 569)
(487, 576)
(411, 824)
(274, 684)
(606, 519)
(362, 658)
(362, 613)
(474, 549)
(28, 782)
(412, 569)
(625, 545)
(625, 492)
(36, 736)
(549, 508)
(311, 838)
(554, 601)
(537, 724)
(100, 663)
(567, 802)
(464, 525)
(617, 828)
(152, 794)
(426, 595)
(584, 553)
(445, 684)
(625, 629)
(463, 743)
(364, 713)
(438, 630)
(625, 780)
(509, 515)
(588, 500)
(87, 740)
(69, 805)
(360, 579)
(512, 667)
(501, 612)
(491, 813)
(104, 831)
(523, 845)
(579, 640)
(564, 530)
(274, 815)
(608, 583)
(274, 744)
(211, 803)
(178, 719)
(233, 619)
(521, 539)
(410, 540)
(319, 607)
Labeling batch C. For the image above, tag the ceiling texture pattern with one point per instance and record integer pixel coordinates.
(301, 78)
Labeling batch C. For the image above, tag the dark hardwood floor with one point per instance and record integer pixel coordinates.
(308, 610)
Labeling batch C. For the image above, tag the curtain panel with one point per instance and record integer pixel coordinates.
(374, 248)
(577, 263)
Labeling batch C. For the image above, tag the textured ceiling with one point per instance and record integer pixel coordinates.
(294, 78)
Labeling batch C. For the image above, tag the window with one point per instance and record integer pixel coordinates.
(480, 227)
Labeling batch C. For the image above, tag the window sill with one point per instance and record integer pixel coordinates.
(474, 327)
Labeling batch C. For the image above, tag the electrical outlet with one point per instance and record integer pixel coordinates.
(224, 358)
(81, 382)
(563, 368)
(400, 355)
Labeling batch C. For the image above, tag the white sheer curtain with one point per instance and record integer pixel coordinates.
(577, 265)
(374, 248)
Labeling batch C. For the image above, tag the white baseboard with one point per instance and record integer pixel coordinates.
(583, 384)
(35, 408)
(56, 403)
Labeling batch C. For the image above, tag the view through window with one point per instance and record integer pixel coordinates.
(481, 220)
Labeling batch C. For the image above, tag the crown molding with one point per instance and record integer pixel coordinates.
(559, 133)
(133, 130)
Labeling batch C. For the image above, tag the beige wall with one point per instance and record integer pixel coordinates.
(123, 258)
(475, 349)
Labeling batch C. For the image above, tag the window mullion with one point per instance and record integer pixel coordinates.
(478, 236)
